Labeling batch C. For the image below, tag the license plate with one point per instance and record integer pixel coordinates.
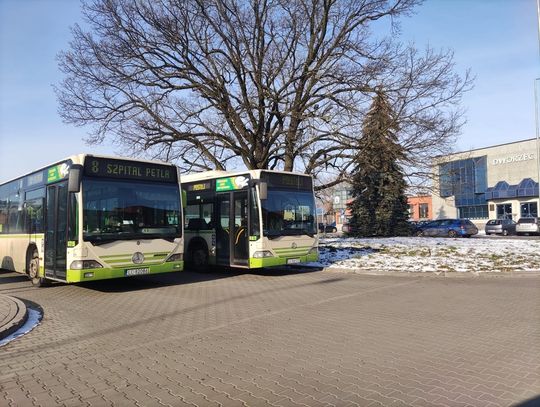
(293, 261)
(137, 272)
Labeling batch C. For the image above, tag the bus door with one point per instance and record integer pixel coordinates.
(223, 217)
(56, 231)
(232, 237)
(239, 237)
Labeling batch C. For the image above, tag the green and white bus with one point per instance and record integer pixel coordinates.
(249, 219)
(92, 218)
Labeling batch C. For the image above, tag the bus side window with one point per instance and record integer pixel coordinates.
(3, 215)
(15, 214)
(34, 203)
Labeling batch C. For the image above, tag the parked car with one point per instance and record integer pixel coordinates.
(503, 227)
(416, 225)
(526, 226)
(448, 227)
(327, 228)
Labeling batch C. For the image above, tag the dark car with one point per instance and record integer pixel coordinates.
(327, 228)
(503, 227)
(448, 227)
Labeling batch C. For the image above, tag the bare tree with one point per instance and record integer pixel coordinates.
(279, 84)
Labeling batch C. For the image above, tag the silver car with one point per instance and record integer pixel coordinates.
(503, 227)
(526, 226)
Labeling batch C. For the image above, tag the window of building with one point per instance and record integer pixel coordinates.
(473, 212)
(480, 174)
(504, 211)
(423, 211)
(465, 179)
(529, 210)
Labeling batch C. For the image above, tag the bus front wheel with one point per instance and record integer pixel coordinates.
(33, 270)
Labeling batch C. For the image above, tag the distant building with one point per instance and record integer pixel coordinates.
(420, 207)
(487, 183)
(341, 198)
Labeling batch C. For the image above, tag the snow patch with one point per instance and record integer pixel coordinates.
(423, 255)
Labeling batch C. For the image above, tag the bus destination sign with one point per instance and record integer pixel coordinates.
(111, 168)
(293, 181)
(201, 186)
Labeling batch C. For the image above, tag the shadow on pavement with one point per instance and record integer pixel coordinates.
(149, 282)
(534, 402)
(7, 276)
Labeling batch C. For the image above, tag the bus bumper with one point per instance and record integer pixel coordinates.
(282, 261)
(77, 276)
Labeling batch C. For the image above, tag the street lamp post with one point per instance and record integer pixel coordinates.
(536, 111)
(536, 81)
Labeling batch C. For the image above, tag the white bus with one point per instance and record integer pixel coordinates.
(92, 218)
(249, 219)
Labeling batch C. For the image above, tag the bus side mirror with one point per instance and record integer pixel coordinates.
(263, 190)
(75, 175)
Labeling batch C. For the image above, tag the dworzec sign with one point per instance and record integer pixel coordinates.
(514, 158)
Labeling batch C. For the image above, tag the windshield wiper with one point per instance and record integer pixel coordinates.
(98, 240)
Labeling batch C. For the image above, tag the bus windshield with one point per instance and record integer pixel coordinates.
(124, 210)
(288, 212)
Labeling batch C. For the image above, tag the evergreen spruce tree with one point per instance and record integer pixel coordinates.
(380, 206)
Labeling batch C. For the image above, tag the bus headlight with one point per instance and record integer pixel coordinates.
(85, 264)
(264, 253)
(314, 250)
(176, 257)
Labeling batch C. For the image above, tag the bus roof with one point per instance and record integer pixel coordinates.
(206, 175)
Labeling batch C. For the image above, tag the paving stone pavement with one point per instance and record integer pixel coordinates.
(289, 339)
(13, 315)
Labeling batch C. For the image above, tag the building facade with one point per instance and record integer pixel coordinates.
(489, 183)
(341, 198)
(420, 207)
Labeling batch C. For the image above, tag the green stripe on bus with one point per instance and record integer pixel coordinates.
(293, 254)
(293, 251)
(131, 265)
(290, 249)
(128, 261)
(128, 255)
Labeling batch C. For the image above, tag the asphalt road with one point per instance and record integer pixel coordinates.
(283, 339)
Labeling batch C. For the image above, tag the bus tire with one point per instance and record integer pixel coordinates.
(199, 259)
(32, 268)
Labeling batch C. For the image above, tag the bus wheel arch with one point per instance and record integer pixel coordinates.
(197, 254)
(32, 267)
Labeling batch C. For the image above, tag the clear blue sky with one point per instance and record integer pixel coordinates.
(497, 39)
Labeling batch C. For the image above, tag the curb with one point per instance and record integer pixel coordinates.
(13, 315)
(435, 274)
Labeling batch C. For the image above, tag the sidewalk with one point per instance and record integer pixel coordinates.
(13, 315)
